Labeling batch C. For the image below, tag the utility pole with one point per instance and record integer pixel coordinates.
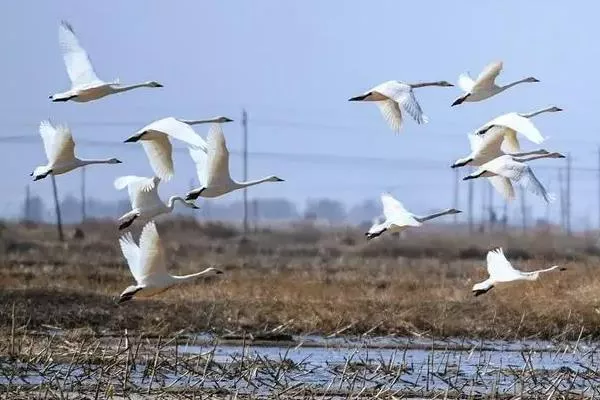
(57, 210)
(27, 207)
(455, 205)
(598, 187)
(83, 216)
(245, 129)
(470, 205)
(569, 194)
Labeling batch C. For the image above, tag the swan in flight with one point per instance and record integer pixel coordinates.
(391, 95)
(145, 202)
(85, 84)
(148, 265)
(155, 140)
(484, 86)
(501, 270)
(513, 167)
(398, 218)
(212, 167)
(60, 152)
(512, 123)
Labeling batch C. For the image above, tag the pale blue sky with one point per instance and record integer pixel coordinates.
(293, 65)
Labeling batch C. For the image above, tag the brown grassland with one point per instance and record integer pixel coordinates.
(310, 280)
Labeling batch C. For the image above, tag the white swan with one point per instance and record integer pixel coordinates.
(60, 152)
(145, 202)
(213, 168)
(148, 265)
(392, 95)
(398, 218)
(85, 84)
(484, 86)
(155, 140)
(517, 122)
(501, 270)
(513, 167)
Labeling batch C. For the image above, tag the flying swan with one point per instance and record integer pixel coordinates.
(484, 86)
(60, 152)
(145, 202)
(397, 218)
(391, 95)
(155, 140)
(513, 167)
(148, 265)
(501, 270)
(85, 84)
(212, 167)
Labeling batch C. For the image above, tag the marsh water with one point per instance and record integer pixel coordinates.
(412, 367)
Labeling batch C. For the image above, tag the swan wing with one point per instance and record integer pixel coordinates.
(159, 151)
(218, 158)
(527, 180)
(486, 79)
(131, 252)
(465, 82)
(519, 124)
(499, 267)
(153, 263)
(475, 141)
(47, 132)
(396, 213)
(200, 158)
(491, 143)
(79, 67)
(403, 94)
(391, 113)
(143, 192)
(176, 129)
(511, 141)
(63, 146)
(503, 186)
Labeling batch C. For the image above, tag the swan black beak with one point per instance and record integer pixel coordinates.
(481, 291)
(118, 162)
(468, 177)
(359, 98)
(460, 100)
(562, 269)
(134, 138)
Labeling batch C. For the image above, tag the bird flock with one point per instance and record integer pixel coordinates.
(495, 152)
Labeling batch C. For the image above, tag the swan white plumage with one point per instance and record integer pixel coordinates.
(500, 270)
(155, 140)
(517, 122)
(513, 167)
(145, 201)
(148, 265)
(212, 167)
(390, 96)
(85, 84)
(485, 85)
(398, 218)
(60, 152)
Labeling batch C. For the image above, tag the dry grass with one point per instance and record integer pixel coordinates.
(315, 282)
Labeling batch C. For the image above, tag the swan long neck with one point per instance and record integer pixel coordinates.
(200, 121)
(119, 89)
(252, 183)
(524, 80)
(534, 113)
(89, 162)
(532, 276)
(424, 84)
(434, 215)
(192, 276)
(528, 153)
(536, 157)
(172, 200)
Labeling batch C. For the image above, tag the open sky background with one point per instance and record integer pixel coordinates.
(293, 65)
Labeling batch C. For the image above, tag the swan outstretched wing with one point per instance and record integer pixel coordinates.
(152, 258)
(499, 268)
(465, 82)
(218, 158)
(391, 113)
(511, 141)
(530, 182)
(200, 158)
(503, 186)
(58, 143)
(159, 152)
(488, 75)
(403, 94)
(143, 192)
(131, 252)
(491, 143)
(79, 67)
(395, 212)
(176, 129)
